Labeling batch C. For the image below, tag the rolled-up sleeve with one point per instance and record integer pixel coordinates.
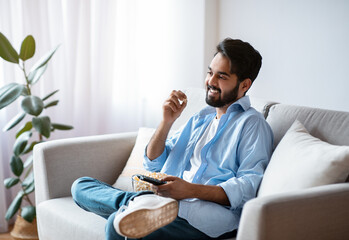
(156, 164)
(253, 155)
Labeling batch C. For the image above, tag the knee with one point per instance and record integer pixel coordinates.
(78, 186)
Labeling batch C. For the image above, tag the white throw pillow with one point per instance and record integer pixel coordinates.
(302, 161)
(134, 164)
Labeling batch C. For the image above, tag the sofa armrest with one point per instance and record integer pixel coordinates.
(315, 213)
(58, 163)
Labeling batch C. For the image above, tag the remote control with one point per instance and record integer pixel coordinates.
(150, 180)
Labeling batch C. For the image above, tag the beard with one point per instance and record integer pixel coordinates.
(227, 98)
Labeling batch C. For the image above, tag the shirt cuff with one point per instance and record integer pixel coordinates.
(234, 192)
(156, 164)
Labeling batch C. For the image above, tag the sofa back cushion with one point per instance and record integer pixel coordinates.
(328, 125)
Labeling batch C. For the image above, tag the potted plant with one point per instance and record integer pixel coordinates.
(36, 129)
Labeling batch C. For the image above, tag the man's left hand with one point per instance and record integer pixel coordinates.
(179, 189)
(175, 188)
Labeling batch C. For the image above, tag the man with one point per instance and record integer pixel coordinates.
(216, 162)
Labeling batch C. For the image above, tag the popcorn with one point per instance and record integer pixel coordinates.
(139, 185)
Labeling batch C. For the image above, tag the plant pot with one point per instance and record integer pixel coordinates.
(23, 230)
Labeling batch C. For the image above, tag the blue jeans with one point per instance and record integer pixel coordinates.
(102, 199)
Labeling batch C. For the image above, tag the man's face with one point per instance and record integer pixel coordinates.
(222, 87)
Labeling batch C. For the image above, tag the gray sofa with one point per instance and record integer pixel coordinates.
(313, 213)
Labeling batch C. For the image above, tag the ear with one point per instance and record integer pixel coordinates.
(245, 85)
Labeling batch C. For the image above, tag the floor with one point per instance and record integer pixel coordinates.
(6, 236)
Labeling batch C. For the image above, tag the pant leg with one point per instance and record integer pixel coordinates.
(179, 229)
(110, 233)
(100, 198)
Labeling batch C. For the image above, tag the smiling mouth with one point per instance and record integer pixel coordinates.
(213, 89)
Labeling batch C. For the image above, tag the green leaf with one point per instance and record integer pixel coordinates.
(25, 92)
(61, 126)
(42, 125)
(44, 60)
(21, 143)
(14, 121)
(35, 75)
(10, 182)
(28, 213)
(51, 94)
(7, 52)
(32, 105)
(29, 171)
(27, 127)
(9, 93)
(29, 161)
(28, 180)
(51, 104)
(27, 48)
(3, 89)
(16, 165)
(30, 147)
(30, 188)
(15, 205)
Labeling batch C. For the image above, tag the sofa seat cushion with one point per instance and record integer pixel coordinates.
(61, 218)
(301, 161)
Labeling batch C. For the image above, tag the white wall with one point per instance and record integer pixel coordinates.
(304, 44)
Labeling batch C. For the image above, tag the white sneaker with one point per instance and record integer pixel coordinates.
(145, 214)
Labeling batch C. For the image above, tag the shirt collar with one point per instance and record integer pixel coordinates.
(243, 103)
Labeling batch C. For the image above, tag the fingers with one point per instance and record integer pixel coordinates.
(174, 106)
(177, 100)
(163, 187)
(169, 178)
(163, 190)
(175, 188)
(158, 190)
(162, 193)
(180, 96)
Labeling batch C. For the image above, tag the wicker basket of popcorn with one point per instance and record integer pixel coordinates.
(139, 185)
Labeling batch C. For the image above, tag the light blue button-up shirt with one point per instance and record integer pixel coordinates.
(234, 159)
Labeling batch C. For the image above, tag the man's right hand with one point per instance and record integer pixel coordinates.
(172, 109)
(174, 106)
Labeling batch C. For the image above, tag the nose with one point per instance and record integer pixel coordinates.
(212, 80)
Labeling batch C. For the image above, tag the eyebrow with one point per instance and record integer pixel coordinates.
(222, 73)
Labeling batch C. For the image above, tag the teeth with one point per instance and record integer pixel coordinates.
(213, 91)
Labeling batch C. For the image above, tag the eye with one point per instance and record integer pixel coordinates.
(209, 73)
(222, 77)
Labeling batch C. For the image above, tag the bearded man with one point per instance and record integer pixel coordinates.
(215, 162)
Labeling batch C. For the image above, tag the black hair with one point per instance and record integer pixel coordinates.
(245, 60)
